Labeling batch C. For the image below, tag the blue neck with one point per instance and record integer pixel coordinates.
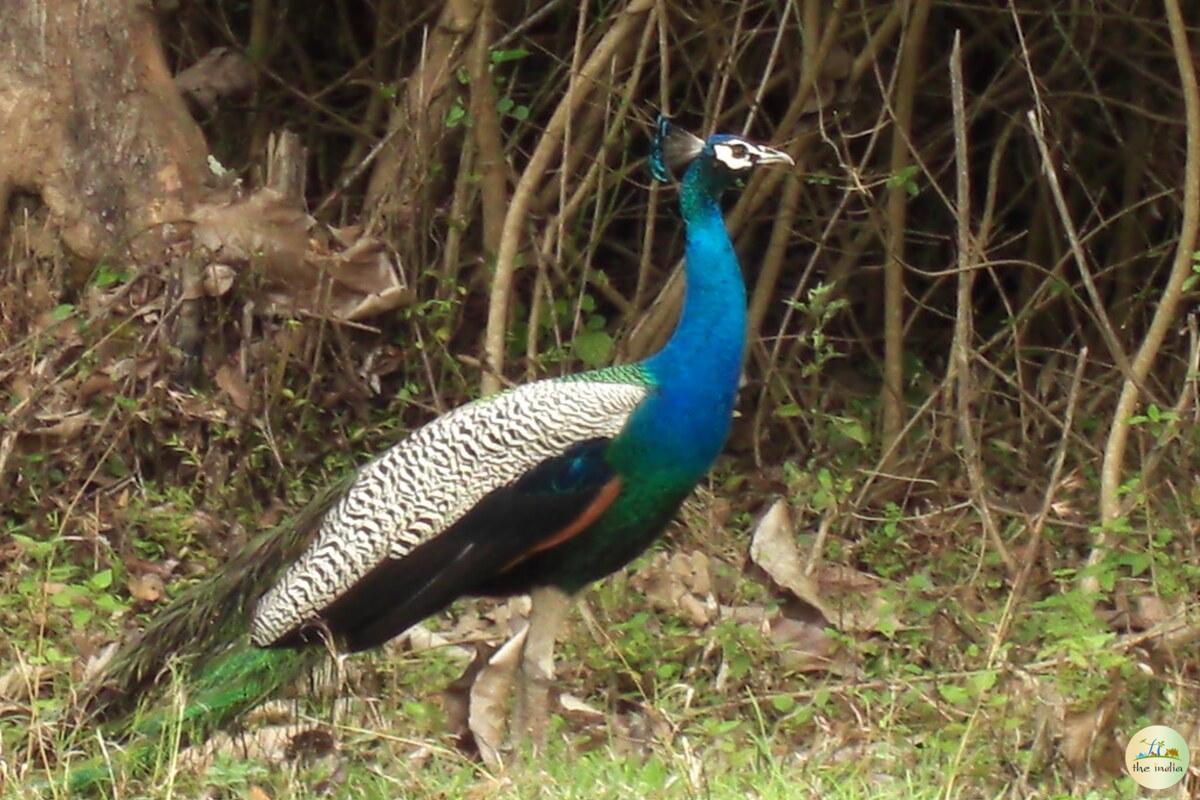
(697, 371)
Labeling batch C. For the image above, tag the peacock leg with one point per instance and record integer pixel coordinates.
(536, 670)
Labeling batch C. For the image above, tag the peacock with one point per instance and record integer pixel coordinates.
(543, 488)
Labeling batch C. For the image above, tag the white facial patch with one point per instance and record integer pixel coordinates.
(735, 155)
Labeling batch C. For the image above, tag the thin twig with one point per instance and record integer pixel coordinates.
(963, 325)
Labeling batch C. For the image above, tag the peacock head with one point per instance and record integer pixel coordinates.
(725, 157)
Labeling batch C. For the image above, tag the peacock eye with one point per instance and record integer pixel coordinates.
(739, 151)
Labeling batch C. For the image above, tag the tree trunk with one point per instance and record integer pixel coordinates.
(91, 123)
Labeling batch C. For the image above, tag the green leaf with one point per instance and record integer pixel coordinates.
(905, 179)
(456, 115)
(62, 311)
(109, 604)
(783, 703)
(34, 548)
(852, 429)
(955, 695)
(520, 112)
(984, 681)
(825, 479)
(101, 580)
(107, 276)
(788, 410)
(502, 56)
(593, 348)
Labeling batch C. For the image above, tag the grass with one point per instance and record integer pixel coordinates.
(687, 711)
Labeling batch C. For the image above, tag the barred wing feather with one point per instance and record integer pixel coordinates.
(422, 486)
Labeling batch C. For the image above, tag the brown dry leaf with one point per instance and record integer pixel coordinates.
(854, 599)
(264, 228)
(65, 427)
(147, 587)
(419, 639)
(346, 235)
(22, 682)
(364, 281)
(271, 713)
(256, 792)
(96, 383)
(1082, 729)
(233, 384)
(220, 72)
(97, 662)
(137, 566)
(197, 407)
(803, 646)
(1148, 610)
(274, 744)
(774, 549)
(456, 698)
(270, 231)
(488, 703)
(218, 279)
(679, 583)
(577, 706)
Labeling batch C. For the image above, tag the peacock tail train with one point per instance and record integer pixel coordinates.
(205, 620)
(228, 686)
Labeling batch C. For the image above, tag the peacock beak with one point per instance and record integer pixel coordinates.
(769, 155)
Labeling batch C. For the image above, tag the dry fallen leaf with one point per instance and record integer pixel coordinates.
(1148, 610)
(577, 706)
(848, 600)
(774, 549)
(853, 598)
(264, 228)
(270, 232)
(1081, 730)
(63, 427)
(22, 681)
(220, 72)
(218, 279)
(419, 638)
(147, 587)
(274, 744)
(489, 699)
(679, 583)
(234, 385)
(803, 646)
